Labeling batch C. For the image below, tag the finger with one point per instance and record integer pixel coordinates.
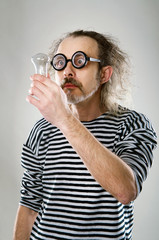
(33, 100)
(38, 77)
(48, 91)
(48, 76)
(39, 85)
(36, 96)
(45, 80)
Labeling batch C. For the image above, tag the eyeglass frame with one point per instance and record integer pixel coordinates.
(90, 59)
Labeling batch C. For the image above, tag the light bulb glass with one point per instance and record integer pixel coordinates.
(40, 62)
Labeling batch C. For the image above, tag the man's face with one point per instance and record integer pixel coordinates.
(79, 84)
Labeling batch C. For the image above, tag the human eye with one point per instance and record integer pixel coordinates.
(59, 62)
(79, 60)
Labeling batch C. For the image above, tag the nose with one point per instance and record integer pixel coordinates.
(69, 70)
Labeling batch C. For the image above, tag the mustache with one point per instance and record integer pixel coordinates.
(71, 81)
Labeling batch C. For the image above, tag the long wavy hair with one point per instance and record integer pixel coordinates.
(117, 91)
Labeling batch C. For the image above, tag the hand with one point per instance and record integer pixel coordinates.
(49, 98)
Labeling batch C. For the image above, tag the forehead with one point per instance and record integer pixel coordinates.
(71, 45)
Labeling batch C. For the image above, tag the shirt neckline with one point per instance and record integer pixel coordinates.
(95, 119)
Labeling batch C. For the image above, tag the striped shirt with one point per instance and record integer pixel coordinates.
(69, 201)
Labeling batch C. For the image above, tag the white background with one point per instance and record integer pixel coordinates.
(30, 26)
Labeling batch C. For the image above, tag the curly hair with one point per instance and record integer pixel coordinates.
(117, 91)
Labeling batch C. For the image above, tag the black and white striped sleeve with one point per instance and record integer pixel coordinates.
(136, 140)
(31, 186)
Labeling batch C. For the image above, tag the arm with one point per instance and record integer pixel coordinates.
(112, 173)
(109, 170)
(24, 222)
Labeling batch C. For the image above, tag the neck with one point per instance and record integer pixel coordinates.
(88, 110)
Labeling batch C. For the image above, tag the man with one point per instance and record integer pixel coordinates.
(87, 158)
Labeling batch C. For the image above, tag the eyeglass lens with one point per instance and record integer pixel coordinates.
(79, 60)
(59, 61)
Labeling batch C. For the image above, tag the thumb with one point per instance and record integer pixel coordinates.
(48, 76)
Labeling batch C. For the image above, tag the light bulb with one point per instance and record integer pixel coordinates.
(40, 62)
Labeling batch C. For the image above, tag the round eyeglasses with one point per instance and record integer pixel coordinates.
(79, 60)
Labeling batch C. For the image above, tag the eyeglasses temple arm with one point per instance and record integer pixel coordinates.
(93, 59)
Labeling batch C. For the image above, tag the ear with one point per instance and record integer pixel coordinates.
(106, 73)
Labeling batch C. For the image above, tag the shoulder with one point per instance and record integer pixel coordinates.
(136, 123)
(124, 118)
(40, 129)
(133, 118)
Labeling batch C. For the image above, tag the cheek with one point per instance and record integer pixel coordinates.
(92, 80)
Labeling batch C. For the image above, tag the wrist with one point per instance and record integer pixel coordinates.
(69, 125)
